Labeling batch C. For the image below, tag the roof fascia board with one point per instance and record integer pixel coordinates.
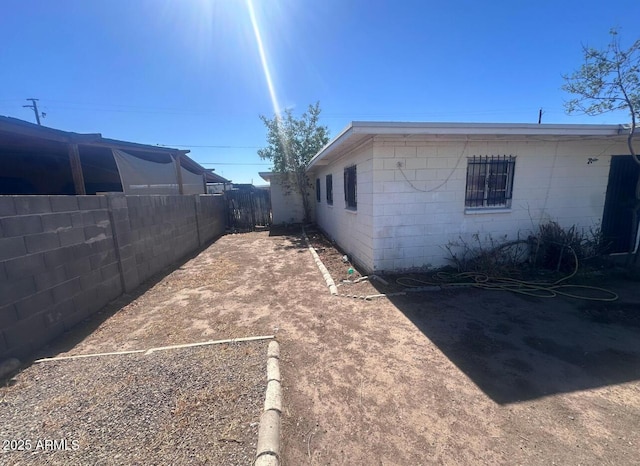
(362, 144)
(266, 175)
(504, 130)
(383, 128)
(439, 138)
(334, 144)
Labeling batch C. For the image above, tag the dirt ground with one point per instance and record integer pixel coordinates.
(448, 377)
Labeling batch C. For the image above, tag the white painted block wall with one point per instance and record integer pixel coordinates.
(407, 215)
(286, 204)
(416, 213)
(351, 229)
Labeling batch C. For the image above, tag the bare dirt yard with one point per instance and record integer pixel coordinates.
(449, 377)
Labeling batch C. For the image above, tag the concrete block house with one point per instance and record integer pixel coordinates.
(392, 195)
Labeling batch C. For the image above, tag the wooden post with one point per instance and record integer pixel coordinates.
(76, 169)
(253, 213)
(176, 157)
(204, 183)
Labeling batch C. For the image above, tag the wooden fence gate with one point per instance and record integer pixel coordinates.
(247, 210)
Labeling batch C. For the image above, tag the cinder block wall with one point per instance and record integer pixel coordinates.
(211, 217)
(163, 229)
(62, 258)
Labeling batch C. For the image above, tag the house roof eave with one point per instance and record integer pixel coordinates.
(357, 131)
(212, 177)
(267, 176)
(332, 146)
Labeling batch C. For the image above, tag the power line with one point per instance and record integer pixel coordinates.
(123, 108)
(127, 108)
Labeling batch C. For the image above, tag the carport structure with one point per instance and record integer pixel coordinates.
(36, 159)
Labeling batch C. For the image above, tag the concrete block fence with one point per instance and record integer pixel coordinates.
(62, 258)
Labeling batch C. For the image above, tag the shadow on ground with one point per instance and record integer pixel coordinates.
(290, 229)
(75, 335)
(518, 348)
(292, 233)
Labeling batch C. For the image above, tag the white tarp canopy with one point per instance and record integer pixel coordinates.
(191, 183)
(140, 176)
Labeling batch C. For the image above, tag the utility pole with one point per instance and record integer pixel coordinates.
(34, 106)
(540, 113)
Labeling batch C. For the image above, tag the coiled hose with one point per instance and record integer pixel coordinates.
(528, 288)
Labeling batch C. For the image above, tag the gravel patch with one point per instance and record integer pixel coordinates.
(183, 406)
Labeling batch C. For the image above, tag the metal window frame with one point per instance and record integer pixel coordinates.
(351, 187)
(486, 194)
(329, 188)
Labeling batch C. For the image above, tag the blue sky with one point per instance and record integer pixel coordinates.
(188, 72)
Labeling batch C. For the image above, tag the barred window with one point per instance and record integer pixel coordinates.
(318, 196)
(489, 181)
(329, 189)
(351, 187)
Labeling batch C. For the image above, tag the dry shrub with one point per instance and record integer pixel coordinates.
(552, 248)
(556, 246)
(489, 256)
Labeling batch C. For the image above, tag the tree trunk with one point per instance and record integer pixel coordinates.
(303, 185)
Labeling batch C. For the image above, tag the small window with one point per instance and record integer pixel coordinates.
(489, 181)
(351, 187)
(329, 189)
(318, 197)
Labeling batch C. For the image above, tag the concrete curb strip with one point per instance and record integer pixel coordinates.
(273, 370)
(323, 270)
(273, 397)
(267, 460)
(159, 348)
(269, 433)
(268, 449)
(274, 350)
